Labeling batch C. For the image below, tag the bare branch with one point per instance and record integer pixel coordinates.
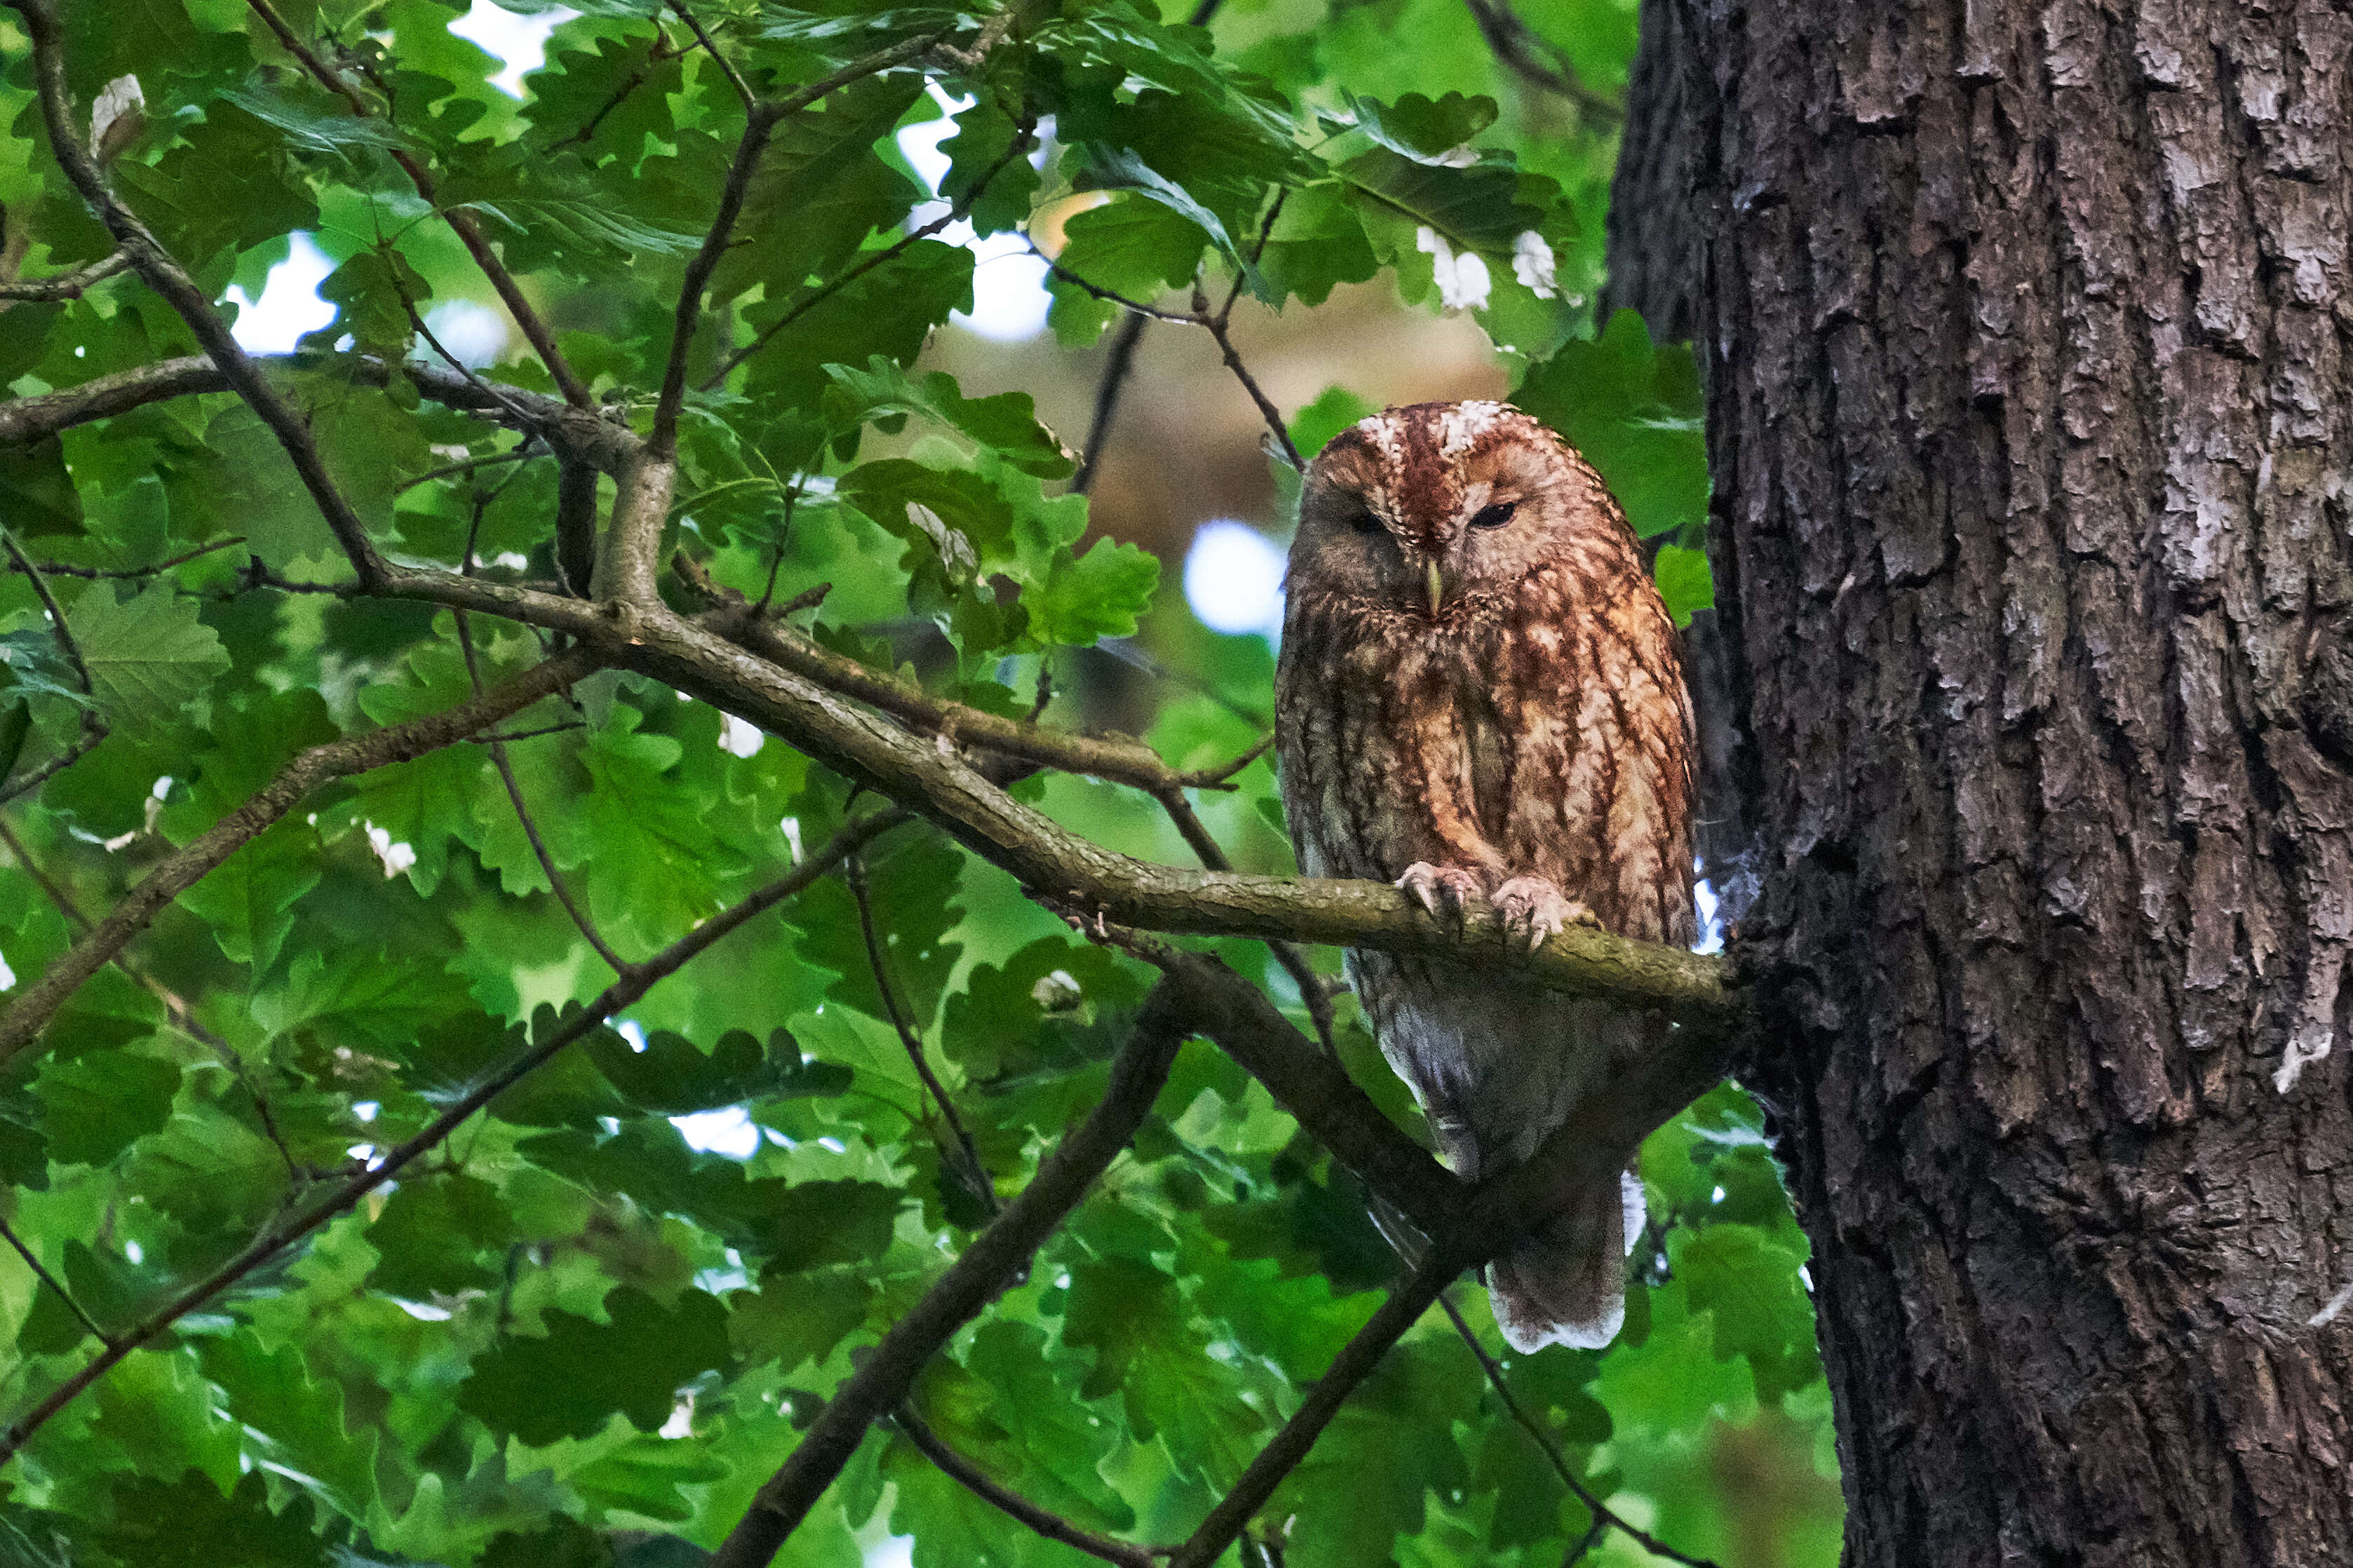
(880, 1383)
(37, 1003)
(625, 991)
(171, 280)
(1115, 758)
(461, 222)
(65, 285)
(580, 434)
(977, 1174)
(1355, 1363)
(1053, 1526)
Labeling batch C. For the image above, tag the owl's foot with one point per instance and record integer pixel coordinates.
(1431, 885)
(1534, 910)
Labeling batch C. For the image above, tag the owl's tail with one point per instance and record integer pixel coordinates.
(1565, 1282)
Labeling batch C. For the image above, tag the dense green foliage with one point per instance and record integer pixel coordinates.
(566, 1333)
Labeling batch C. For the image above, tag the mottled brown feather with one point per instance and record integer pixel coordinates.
(1535, 725)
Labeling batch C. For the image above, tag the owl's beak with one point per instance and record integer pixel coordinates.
(1436, 589)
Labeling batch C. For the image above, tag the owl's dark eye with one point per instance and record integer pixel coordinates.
(1494, 516)
(1364, 522)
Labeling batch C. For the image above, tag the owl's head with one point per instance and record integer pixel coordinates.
(1423, 508)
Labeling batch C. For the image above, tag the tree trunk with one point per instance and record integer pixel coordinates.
(2026, 330)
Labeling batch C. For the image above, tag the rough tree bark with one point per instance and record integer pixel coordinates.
(2026, 329)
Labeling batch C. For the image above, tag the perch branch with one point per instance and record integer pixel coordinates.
(999, 1253)
(694, 657)
(625, 991)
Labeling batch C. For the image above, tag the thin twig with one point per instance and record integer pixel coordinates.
(661, 50)
(759, 125)
(58, 626)
(512, 736)
(1053, 1526)
(93, 724)
(1355, 1363)
(1113, 297)
(462, 221)
(46, 1278)
(55, 894)
(1604, 1517)
(959, 209)
(977, 1174)
(734, 78)
(622, 993)
(1515, 43)
(995, 1257)
(1108, 388)
(130, 574)
(65, 285)
(498, 759)
(471, 465)
(1220, 330)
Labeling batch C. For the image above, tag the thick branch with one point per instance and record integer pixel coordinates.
(986, 1266)
(179, 871)
(1053, 1526)
(625, 991)
(171, 280)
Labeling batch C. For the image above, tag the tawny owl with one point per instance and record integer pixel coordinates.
(1480, 691)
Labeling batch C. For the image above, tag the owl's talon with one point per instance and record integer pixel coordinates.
(1428, 884)
(1535, 910)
